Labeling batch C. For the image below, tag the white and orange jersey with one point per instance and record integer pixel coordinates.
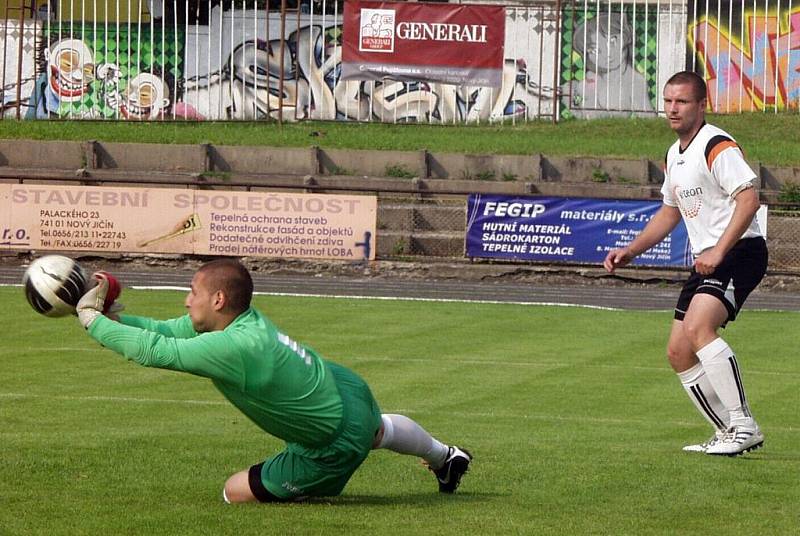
(701, 180)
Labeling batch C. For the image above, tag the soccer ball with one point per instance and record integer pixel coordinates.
(54, 284)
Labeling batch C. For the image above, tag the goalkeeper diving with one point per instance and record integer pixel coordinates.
(324, 412)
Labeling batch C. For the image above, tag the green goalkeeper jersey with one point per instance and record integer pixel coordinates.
(284, 387)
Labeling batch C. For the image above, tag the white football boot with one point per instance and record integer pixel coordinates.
(703, 447)
(737, 440)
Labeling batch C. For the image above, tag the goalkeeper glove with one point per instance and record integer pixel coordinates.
(99, 300)
(114, 290)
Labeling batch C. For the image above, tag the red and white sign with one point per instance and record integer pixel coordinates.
(446, 43)
(377, 34)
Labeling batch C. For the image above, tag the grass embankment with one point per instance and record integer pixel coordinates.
(769, 138)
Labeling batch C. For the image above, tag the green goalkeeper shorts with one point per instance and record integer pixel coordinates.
(322, 472)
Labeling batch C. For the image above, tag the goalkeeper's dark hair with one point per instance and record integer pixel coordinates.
(693, 79)
(233, 279)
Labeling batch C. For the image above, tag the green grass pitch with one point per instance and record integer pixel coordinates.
(574, 417)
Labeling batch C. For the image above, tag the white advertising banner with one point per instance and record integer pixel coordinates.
(158, 220)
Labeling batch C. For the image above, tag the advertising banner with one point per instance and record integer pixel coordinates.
(446, 43)
(161, 220)
(558, 229)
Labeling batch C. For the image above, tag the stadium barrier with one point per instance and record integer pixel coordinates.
(421, 196)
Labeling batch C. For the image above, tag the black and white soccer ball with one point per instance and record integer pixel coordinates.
(54, 284)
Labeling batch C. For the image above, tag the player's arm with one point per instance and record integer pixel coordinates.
(747, 204)
(180, 328)
(662, 223)
(212, 355)
(728, 166)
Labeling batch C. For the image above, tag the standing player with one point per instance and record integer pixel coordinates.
(709, 184)
(324, 412)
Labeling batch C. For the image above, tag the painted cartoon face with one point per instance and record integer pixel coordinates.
(71, 67)
(145, 97)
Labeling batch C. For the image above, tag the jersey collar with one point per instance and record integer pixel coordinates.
(681, 150)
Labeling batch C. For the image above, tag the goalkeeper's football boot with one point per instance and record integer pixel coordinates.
(703, 447)
(455, 465)
(737, 440)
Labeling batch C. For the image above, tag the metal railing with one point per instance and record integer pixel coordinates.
(256, 60)
(427, 228)
(747, 50)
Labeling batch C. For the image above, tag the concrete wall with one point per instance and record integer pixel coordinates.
(336, 169)
(421, 209)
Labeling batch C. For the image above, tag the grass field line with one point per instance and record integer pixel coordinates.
(547, 364)
(391, 298)
(99, 398)
(421, 299)
(32, 349)
(406, 411)
(444, 361)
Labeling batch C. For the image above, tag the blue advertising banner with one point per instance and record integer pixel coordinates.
(551, 229)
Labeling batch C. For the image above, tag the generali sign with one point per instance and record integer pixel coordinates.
(446, 43)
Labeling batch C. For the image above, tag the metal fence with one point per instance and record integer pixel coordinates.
(259, 60)
(783, 228)
(748, 52)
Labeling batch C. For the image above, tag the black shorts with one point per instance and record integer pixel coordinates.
(738, 274)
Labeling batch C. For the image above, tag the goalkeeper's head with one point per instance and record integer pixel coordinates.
(221, 290)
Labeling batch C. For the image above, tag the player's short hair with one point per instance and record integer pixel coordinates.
(233, 279)
(693, 79)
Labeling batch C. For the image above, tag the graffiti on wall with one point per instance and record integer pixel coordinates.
(298, 77)
(257, 79)
(752, 63)
(83, 73)
(609, 61)
(153, 72)
(586, 60)
(19, 48)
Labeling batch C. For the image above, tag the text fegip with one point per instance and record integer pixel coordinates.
(515, 210)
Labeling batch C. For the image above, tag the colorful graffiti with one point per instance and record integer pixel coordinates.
(609, 61)
(228, 70)
(96, 74)
(299, 78)
(760, 70)
(251, 65)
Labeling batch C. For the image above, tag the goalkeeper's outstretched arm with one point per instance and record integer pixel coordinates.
(179, 328)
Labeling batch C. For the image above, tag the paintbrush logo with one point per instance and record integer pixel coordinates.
(187, 225)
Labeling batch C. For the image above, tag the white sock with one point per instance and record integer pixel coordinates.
(701, 392)
(722, 370)
(401, 434)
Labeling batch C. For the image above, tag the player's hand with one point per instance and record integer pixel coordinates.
(110, 306)
(708, 261)
(99, 300)
(114, 310)
(91, 305)
(616, 258)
